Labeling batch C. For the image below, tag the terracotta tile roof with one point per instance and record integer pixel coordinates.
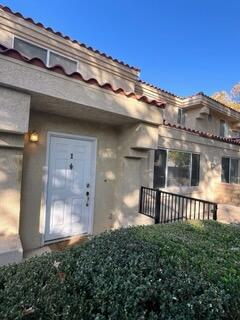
(202, 133)
(192, 96)
(75, 75)
(160, 89)
(38, 24)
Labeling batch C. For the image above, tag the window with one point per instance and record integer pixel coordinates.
(69, 66)
(195, 169)
(159, 179)
(181, 118)
(47, 56)
(223, 128)
(230, 170)
(30, 50)
(176, 168)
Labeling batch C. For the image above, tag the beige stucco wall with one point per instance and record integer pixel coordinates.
(211, 153)
(198, 121)
(57, 93)
(90, 64)
(43, 83)
(171, 113)
(33, 171)
(134, 143)
(10, 184)
(14, 112)
(118, 174)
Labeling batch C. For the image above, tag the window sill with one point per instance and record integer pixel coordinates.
(230, 184)
(180, 189)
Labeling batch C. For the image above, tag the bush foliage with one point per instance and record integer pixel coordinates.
(176, 271)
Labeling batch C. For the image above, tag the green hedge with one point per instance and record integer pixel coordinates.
(175, 271)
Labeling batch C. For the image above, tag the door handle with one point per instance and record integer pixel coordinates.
(88, 198)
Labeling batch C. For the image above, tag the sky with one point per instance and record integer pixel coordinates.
(183, 46)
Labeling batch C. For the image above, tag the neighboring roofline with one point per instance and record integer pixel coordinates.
(214, 100)
(12, 53)
(189, 97)
(202, 133)
(57, 33)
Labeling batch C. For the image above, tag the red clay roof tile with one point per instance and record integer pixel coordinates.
(203, 134)
(75, 75)
(160, 89)
(39, 24)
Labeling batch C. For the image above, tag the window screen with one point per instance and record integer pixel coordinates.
(178, 168)
(181, 119)
(69, 65)
(30, 50)
(225, 170)
(223, 129)
(160, 169)
(234, 171)
(195, 169)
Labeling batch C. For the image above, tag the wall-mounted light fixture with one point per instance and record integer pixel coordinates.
(33, 136)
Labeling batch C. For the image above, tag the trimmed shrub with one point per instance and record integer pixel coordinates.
(179, 271)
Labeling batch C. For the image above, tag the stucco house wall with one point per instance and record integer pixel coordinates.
(211, 152)
(202, 122)
(34, 173)
(105, 100)
(91, 64)
(118, 175)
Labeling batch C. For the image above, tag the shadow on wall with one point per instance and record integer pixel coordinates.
(210, 161)
(10, 183)
(34, 169)
(229, 214)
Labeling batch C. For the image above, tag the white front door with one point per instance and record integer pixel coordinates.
(69, 206)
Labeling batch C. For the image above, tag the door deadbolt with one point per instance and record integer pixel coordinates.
(88, 197)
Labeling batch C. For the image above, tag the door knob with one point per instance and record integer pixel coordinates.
(71, 166)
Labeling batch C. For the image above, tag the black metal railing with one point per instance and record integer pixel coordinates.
(166, 207)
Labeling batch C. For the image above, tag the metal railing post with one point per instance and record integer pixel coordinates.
(157, 207)
(140, 199)
(215, 212)
(166, 207)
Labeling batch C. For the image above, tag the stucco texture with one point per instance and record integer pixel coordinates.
(32, 212)
(211, 152)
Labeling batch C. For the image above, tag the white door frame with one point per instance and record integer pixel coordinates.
(93, 140)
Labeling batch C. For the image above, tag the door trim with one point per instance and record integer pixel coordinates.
(93, 140)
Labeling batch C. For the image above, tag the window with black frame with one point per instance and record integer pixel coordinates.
(230, 170)
(176, 168)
